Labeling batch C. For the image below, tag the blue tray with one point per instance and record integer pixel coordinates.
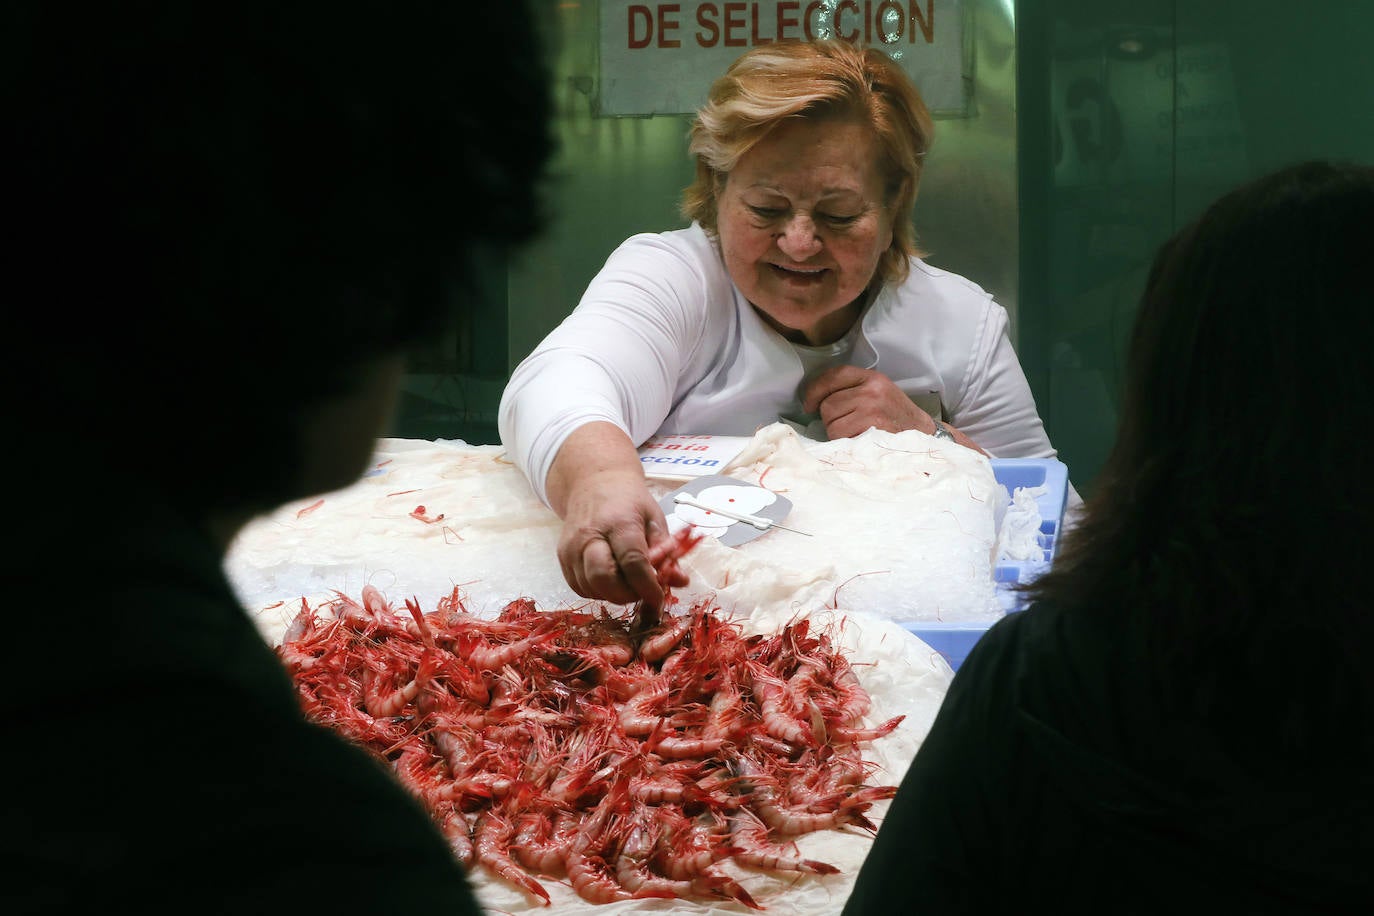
(954, 641)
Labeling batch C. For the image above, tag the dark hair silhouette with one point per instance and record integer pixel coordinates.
(226, 210)
(1233, 514)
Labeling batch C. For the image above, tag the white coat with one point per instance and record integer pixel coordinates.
(663, 342)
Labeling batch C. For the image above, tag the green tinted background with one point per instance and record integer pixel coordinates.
(1093, 129)
(1132, 116)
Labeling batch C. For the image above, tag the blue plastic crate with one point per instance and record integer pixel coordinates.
(954, 640)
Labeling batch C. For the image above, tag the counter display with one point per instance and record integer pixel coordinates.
(883, 532)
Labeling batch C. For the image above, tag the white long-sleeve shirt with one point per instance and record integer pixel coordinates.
(663, 342)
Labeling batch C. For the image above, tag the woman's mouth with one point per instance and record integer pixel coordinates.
(798, 273)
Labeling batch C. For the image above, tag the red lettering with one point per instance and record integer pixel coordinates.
(927, 21)
(846, 5)
(732, 23)
(637, 12)
(783, 22)
(892, 35)
(666, 25)
(754, 15)
(707, 14)
(810, 17)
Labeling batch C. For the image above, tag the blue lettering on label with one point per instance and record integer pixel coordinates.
(664, 459)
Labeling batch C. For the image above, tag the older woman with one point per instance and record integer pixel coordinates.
(797, 294)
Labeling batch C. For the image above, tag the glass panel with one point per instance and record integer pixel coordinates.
(1134, 114)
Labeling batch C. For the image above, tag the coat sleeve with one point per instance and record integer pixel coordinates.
(998, 409)
(617, 358)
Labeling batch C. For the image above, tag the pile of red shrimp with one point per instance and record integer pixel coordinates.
(560, 744)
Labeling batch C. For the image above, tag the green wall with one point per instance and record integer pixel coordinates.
(1131, 117)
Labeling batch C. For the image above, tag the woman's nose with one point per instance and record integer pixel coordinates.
(798, 239)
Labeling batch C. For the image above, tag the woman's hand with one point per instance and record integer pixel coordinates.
(613, 529)
(849, 400)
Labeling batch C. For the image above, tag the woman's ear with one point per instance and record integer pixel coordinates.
(898, 190)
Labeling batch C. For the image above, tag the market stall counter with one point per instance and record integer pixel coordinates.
(821, 562)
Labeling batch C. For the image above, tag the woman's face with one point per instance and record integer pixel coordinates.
(802, 223)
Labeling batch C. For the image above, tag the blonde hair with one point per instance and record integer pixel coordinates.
(824, 79)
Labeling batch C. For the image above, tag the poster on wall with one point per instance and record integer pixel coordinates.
(659, 58)
(1169, 112)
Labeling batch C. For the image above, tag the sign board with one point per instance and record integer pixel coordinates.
(661, 57)
(682, 457)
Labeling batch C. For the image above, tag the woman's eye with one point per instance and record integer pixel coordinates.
(840, 220)
(766, 212)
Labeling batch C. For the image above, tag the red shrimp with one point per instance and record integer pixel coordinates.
(555, 742)
(464, 682)
(831, 771)
(774, 704)
(378, 702)
(541, 845)
(726, 716)
(459, 746)
(766, 801)
(681, 746)
(629, 679)
(518, 609)
(491, 842)
(586, 751)
(842, 734)
(853, 701)
(666, 554)
(476, 787)
(632, 865)
(591, 879)
(593, 645)
(375, 603)
(459, 834)
(537, 748)
(340, 711)
(589, 873)
(660, 789)
(417, 769)
(303, 642)
(774, 746)
(477, 652)
(687, 848)
(663, 638)
(372, 616)
(719, 787)
(756, 851)
(638, 715)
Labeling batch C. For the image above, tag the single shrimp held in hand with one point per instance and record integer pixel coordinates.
(665, 556)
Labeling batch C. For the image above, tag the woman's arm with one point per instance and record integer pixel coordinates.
(610, 521)
(618, 358)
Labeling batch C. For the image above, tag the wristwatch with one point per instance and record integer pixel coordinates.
(942, 432)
